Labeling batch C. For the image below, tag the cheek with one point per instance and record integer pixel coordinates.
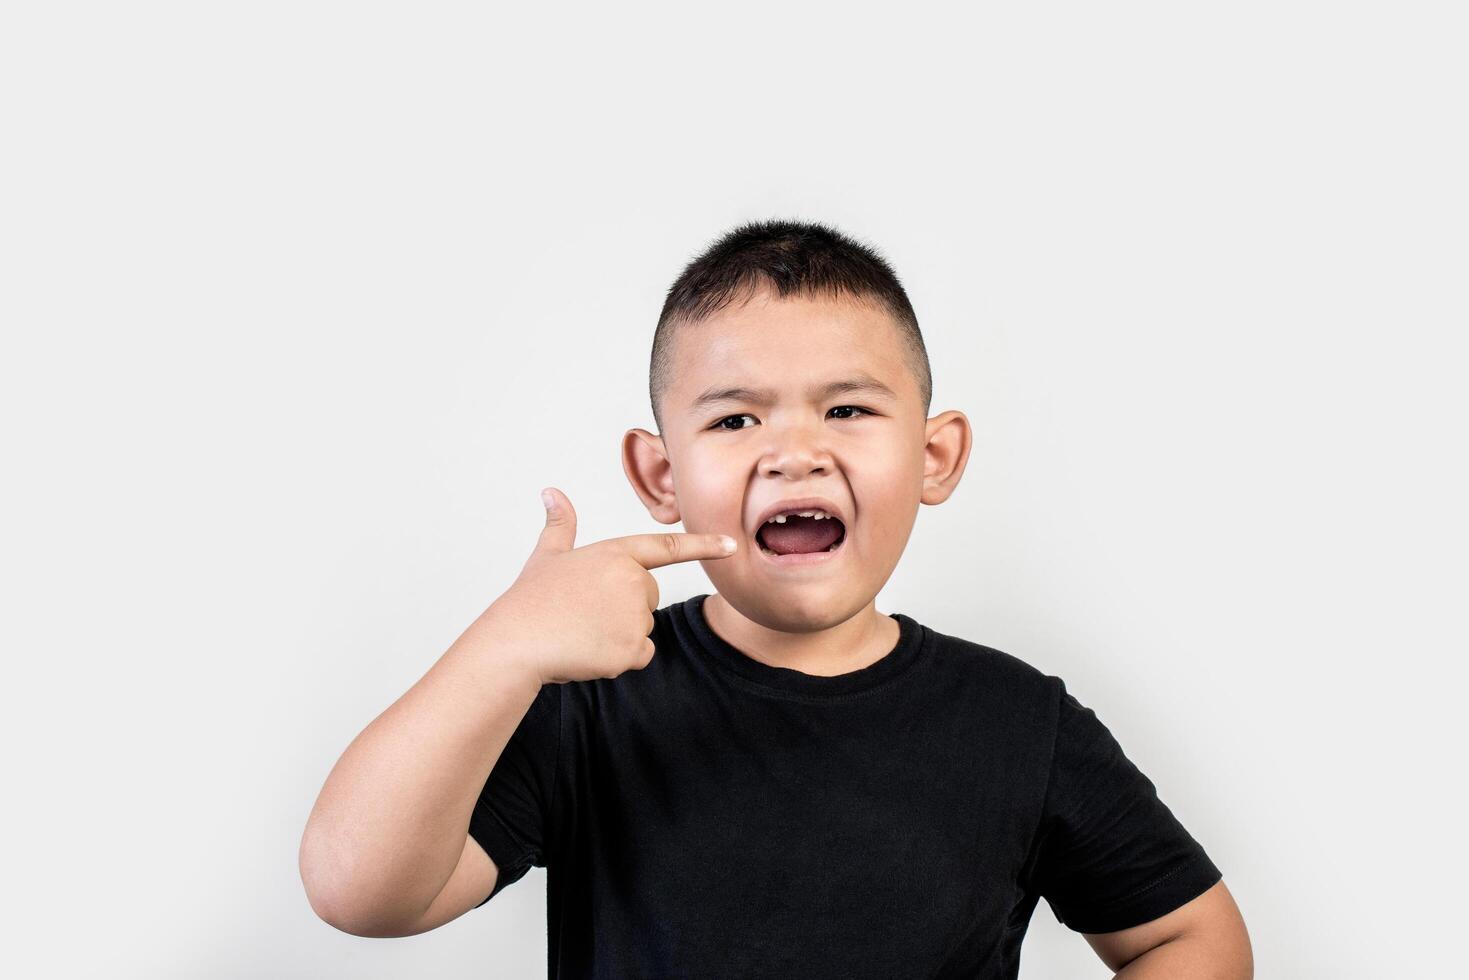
(887, 483)
(710, 488)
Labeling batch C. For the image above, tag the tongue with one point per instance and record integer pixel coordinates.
(801, 535)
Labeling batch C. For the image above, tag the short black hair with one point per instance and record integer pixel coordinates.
(789, 256)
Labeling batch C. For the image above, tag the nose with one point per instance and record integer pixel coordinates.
(795, 453)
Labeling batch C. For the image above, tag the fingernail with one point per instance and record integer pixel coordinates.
(728, 542)
(546, 498)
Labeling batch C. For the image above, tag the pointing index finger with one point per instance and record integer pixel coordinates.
(671, 547)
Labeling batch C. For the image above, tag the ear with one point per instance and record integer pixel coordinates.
(945, 455)
(645, 461)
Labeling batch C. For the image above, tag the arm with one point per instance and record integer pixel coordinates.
(1204, 939)
(386, 850)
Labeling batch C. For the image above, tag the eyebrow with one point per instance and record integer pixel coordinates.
(859, 384)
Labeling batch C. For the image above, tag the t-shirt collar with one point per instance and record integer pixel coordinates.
(689, 615)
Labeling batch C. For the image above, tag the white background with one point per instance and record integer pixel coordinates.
(304, 302)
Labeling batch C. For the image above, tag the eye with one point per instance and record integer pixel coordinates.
(720, 424)
(854, 408)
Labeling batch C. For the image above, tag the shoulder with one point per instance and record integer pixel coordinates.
(998, 676)
(968, 655)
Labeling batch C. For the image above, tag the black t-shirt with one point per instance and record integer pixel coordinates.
(713, 816)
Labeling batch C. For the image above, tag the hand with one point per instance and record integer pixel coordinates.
(585, 613)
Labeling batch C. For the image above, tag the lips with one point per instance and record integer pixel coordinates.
(798, 504)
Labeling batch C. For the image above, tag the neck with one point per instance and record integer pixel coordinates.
(850, 645)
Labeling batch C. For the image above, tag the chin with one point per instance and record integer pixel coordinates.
(801, 610)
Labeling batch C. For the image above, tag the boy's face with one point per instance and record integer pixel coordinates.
(720, 464)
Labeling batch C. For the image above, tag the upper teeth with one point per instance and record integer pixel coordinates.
(818, 514)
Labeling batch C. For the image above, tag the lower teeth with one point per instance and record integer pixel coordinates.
(774, 555)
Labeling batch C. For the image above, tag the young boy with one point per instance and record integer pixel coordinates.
(775, 779)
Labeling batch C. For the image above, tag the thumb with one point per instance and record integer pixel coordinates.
(559, 534)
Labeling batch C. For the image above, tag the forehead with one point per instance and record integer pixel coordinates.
(787, 344)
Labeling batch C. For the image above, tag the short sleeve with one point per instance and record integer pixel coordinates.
(511, 819)
(1110, 854)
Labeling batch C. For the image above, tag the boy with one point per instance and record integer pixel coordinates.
(773, 780)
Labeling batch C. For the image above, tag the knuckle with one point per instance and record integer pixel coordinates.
(630, 576)
(619, 568)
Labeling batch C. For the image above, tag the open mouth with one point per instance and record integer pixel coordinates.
(799, 540)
